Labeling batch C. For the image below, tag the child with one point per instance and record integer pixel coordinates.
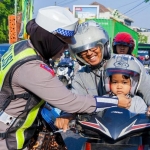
(122, 76)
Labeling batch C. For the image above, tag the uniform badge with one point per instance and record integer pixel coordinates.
(47, 68)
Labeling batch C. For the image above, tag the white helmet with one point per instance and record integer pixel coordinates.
(123, 64)
(146, 57)
(89, 34)
(57, 20)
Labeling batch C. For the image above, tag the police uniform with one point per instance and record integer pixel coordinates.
(36, 76)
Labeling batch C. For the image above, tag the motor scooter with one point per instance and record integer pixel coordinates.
(114, 129)
(65, 73)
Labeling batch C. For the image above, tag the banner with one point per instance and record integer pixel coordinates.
(84, 12)
(27, 14)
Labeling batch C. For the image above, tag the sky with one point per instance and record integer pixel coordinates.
(137, 10)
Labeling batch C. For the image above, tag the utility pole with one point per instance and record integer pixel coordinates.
(55, 3)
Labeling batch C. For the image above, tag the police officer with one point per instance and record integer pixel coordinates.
(68, 61)
(27, 81)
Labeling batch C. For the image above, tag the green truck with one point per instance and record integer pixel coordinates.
(113, 27)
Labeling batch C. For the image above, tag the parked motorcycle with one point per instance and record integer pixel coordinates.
(114, 129)
(65, 73)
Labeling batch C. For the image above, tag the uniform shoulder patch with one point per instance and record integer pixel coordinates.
(47, 68)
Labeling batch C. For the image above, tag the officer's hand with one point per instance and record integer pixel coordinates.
(124, 101)
(62, 123)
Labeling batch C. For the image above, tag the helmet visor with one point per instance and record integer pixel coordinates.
(87, 47)
(126, 72)
(121, 43)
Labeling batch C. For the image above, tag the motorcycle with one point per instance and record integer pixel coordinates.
(114, 129)
(65, 73)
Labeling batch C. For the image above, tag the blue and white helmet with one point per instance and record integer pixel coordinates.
(59, 21)
(125, 65)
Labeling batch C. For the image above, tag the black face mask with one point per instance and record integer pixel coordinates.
(47, 44)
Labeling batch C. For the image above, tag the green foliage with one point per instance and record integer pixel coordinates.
(6, 9)
(142, 38)
(2, 37)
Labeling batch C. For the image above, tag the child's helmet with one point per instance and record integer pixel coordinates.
(123, 64)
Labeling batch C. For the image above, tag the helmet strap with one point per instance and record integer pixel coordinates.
(111, 94)
(80, 63)
(106, 54)
(114, 49)
(98, 66)
(129, 51)
(134, 84)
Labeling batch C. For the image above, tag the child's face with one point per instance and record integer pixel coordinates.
(120, 85)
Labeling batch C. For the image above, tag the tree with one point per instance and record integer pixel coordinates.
(6, 9)
(142, 38)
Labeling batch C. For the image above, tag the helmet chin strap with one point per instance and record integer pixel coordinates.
(99, 65)
(111, 94)
(129, 51)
